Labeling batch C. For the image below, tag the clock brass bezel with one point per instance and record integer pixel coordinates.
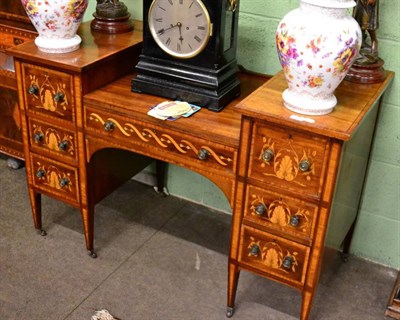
(172, 52)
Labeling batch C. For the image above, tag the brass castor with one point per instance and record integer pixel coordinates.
(42, 232)
(229, 312)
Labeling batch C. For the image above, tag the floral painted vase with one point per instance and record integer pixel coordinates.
(56, 21)
(316, 43)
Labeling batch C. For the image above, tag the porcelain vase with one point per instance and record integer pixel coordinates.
(56, 22)
(316, 43)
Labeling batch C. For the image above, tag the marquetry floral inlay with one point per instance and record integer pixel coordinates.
(47, 93)
(52, 139)
(162, 139)
(53, 177)
(273, 255)
(286, 161)
(279, 213)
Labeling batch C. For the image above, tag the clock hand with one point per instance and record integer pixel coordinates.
(161, 31)
(180, 31)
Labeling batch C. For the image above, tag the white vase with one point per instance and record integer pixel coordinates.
(316, 43)
(56, 21)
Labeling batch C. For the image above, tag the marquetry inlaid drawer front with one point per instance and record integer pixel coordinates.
(12, 37)
(273, 255)
(159, 141)
(59, 142)
(48, 92)
(280, 212)
(58, 179)
(287, 159)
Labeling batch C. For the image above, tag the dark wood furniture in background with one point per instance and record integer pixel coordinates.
(15, 28)
(84, 137)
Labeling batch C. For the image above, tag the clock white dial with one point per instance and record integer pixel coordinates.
(181, 28)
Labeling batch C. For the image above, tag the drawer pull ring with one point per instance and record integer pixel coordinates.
(38, 137)
(64, 182)
(33, 90)
(63, 145)
(109, 126)
(254, 250)
(294, 221)
(287, 262)
(304, 165)
(40, 173)
(268, 155)
(260, 209)
(59, 97)
(203, 154)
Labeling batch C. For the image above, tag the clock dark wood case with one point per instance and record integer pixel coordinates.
(208, 79)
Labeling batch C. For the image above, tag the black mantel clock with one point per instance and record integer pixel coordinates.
(189, 51)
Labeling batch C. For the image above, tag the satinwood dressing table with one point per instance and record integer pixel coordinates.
(85, 133)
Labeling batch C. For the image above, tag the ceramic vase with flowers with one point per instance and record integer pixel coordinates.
(316, 43)
(56, 22)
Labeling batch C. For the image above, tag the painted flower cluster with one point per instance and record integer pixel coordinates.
(313, 59)
(53, 15)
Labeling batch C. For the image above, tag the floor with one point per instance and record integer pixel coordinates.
(158, 258)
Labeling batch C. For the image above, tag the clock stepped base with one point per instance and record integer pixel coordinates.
(205, 98)
(207, 88)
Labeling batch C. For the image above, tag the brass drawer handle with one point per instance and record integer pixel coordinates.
(63, 145)
(268, 155)
(38, 137)
(64, 182)
(59, 97)
(109, 126)
(40, 173)
(254, 250)
(33, 90)
(287, 262)
(305, 165)
(260, 209)
(203, 154)
(294, 221)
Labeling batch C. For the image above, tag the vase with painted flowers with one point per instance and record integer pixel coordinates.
(316, 44)
(56, 22)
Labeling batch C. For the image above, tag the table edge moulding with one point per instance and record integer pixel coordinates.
(85, 133)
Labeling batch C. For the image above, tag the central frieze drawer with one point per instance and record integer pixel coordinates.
(289, 160)
(48, 92)
(277, 211)
(57, 179)
(275, 256)
(159, 140)
(54, 140)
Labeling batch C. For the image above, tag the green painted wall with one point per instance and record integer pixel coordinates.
(377, 236)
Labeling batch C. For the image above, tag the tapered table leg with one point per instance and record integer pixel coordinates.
(233, 279)
(36, 203)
